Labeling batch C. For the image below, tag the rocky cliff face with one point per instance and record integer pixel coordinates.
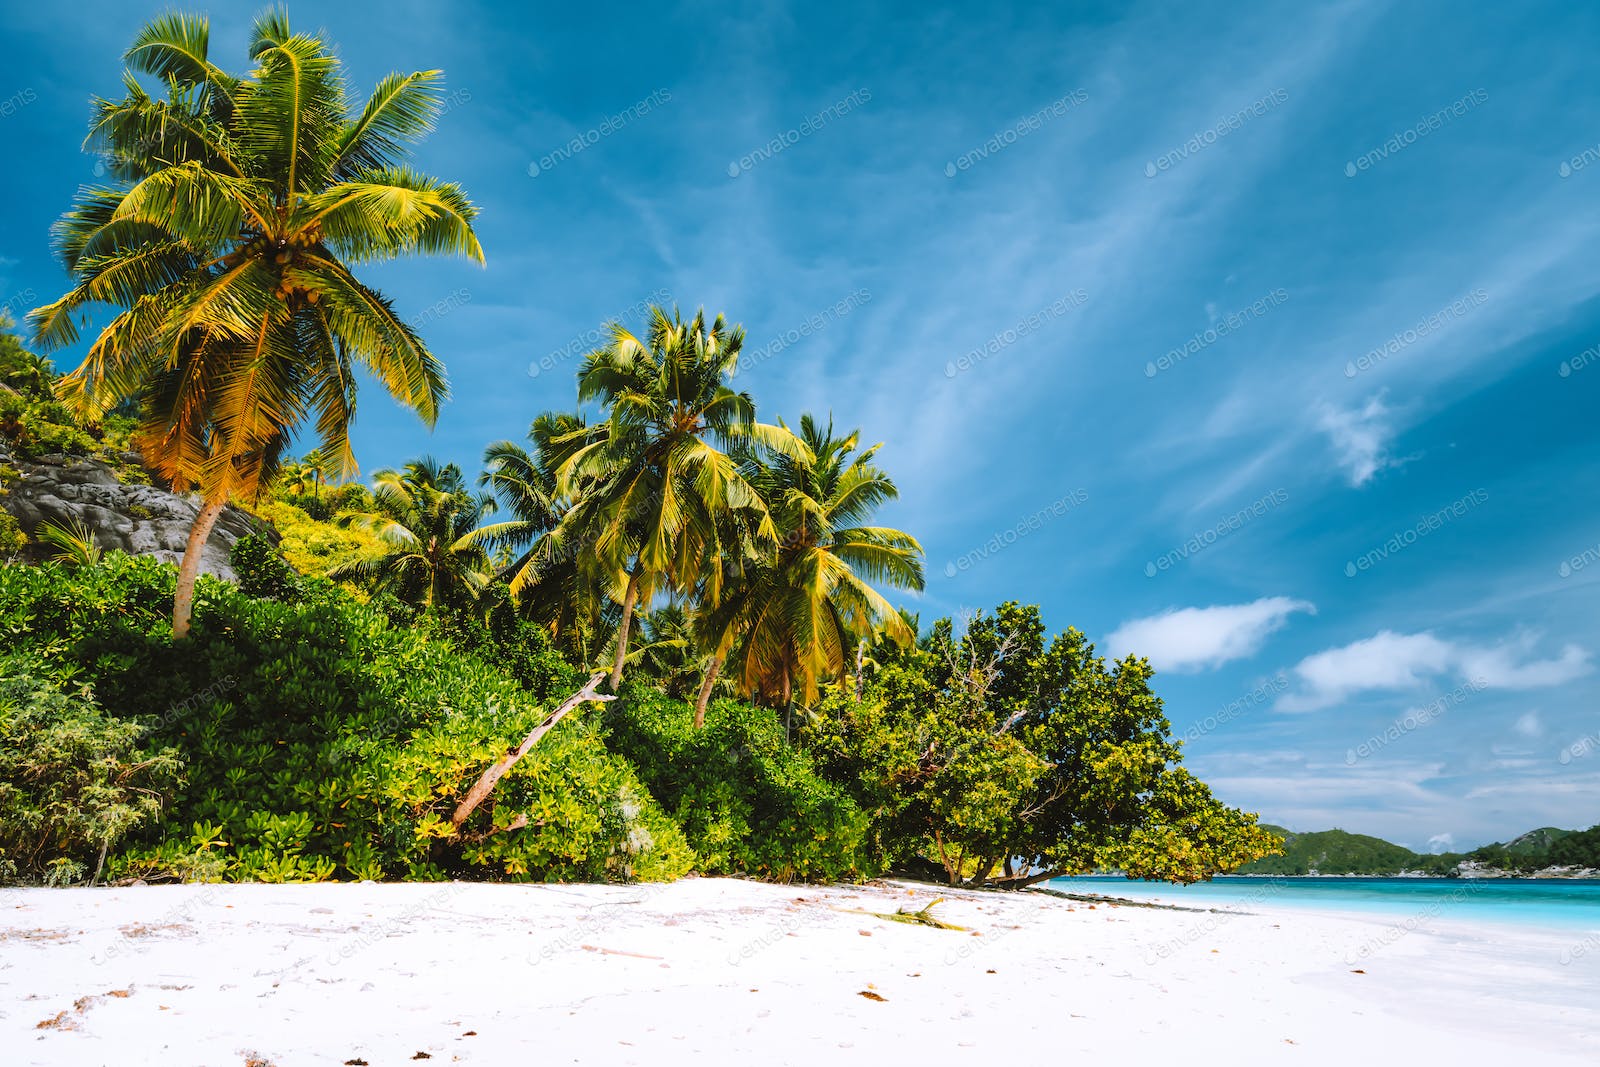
(139, 519)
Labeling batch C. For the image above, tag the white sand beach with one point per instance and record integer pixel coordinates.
(725, 971)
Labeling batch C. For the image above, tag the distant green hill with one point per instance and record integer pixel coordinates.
(1536, 842)
(1339, 852)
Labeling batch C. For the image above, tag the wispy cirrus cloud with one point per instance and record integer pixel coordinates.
(1360, 437)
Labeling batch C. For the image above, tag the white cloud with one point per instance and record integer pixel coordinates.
(1529, 725)
(1361, 437)
(1498, 666)
(1390, 660)
(1195, 638)
(1442, 843)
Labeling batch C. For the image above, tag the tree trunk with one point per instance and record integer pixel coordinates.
(861, 654)
(705, 692)
(486, 782)
(985, 868)
(189, 569)
(1024, 881)
(944, 859)
(628, 599)
(788, 706)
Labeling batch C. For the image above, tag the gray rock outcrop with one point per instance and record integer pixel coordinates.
(138, 519)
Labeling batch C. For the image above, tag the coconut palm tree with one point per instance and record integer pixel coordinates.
(429, 519)
(225, 248)
(546, 575)
(650, 488)
(797, 613)
(668, 649)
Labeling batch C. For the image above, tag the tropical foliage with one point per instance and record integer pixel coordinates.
(225, 249)
(1012, 761)
(427, 520)
(351, 706)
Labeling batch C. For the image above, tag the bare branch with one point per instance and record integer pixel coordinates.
(486, 783)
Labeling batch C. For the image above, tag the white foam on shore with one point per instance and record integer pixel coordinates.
(713, 971)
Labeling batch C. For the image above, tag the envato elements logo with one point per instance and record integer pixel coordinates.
(1413, 720)
(183, 912)
(440, 308)
(1406, 338)
(1568, 367)
(16, 102)
(1572, 566)
(1406, 538)
(1396, 932)
(372, 933)
(1259, 695)
(1206, 538)
(1206, 138)
(1210, 336)
(775, 933)
(1579, 748)
(586, 341)
(1569, 167)
(1005, 338)
(594, 134)
(20, 300)
(815, 324)
(1006, 538)
(1412, 134)
(1573, 953)
(199, 698)
(1211, 922)
(793, 134)
(1012, 134)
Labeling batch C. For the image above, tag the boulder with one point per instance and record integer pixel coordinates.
(138, 519)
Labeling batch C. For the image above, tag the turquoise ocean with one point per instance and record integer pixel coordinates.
(1547, 903)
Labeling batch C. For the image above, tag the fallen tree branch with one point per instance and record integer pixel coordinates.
(515, 824)
(486, 783)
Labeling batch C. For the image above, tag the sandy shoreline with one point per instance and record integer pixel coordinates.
(715, 971)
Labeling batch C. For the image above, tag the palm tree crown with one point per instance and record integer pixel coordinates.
(429, 519)
(798, 611)
(653, 487)
(225, 248)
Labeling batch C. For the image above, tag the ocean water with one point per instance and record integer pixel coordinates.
(1547, 903)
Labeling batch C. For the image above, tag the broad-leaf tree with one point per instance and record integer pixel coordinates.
(226, 249)
(1012, 761)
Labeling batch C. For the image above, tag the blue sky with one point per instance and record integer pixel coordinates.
(1258, 341)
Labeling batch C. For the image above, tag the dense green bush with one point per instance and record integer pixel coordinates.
(261, 571)
(12, 539)
(978, 750)
(748, 802)
(322, 742)
(73, 780)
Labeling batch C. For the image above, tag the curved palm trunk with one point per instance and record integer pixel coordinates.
(628, 600)
(788, 706)
(189, 569)
(705, 692)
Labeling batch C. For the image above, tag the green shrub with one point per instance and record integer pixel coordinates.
(12, 539)
(261, 571)
(73, 780)
(323, 742)
(748, 802)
